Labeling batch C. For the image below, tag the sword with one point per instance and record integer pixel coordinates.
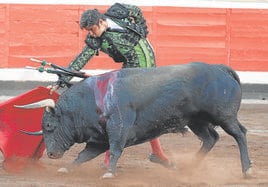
(56, 69)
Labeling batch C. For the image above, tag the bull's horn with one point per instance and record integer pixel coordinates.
(39, 104)
(37, 133)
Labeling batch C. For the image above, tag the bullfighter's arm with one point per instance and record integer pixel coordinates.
(78, 63)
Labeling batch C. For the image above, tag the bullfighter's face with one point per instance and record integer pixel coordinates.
(97, 30)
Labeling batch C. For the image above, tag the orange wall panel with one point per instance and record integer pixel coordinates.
(4, 26)
(44, 32)
(236, 37)
(249, 39)
(189, 34)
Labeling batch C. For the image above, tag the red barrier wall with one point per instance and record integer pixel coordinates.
(236, 37)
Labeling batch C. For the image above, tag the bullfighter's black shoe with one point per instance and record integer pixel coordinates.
(153, 158)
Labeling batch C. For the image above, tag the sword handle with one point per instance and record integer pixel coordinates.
(42, 62)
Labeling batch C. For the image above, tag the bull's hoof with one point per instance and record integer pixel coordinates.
(63, 170)
(108, 175)
(248, 174)
(153, 158)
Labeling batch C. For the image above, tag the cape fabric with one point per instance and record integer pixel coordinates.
(20, 150)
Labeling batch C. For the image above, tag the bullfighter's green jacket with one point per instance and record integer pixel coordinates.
(127, 45)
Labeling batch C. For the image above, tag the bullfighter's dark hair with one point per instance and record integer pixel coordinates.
(90, 17)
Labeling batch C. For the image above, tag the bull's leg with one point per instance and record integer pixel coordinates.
(234, 128)
(91, 151)
(207, 135)
(117, 127)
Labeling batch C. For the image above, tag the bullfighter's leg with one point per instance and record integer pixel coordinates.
(157, 150)
(234, 128)
(106, 160)
(157, 155)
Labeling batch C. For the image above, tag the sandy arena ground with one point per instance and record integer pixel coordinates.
(220, 168)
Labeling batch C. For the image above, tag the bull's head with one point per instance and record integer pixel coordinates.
(55, 139)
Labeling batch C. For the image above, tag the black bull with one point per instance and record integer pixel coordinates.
(131, 106)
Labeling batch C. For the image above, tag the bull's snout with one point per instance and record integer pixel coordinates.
(54, 155)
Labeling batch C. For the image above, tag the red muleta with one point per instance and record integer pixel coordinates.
(21, 151)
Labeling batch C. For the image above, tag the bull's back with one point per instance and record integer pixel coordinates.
(192, 79)
(190, 88)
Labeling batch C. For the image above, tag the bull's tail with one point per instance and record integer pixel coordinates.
(230, 71)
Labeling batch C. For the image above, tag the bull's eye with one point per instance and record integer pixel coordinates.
(49, 127)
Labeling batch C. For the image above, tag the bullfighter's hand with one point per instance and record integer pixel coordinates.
(53, 88)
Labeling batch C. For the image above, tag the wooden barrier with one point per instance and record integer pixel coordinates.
(234, 36)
